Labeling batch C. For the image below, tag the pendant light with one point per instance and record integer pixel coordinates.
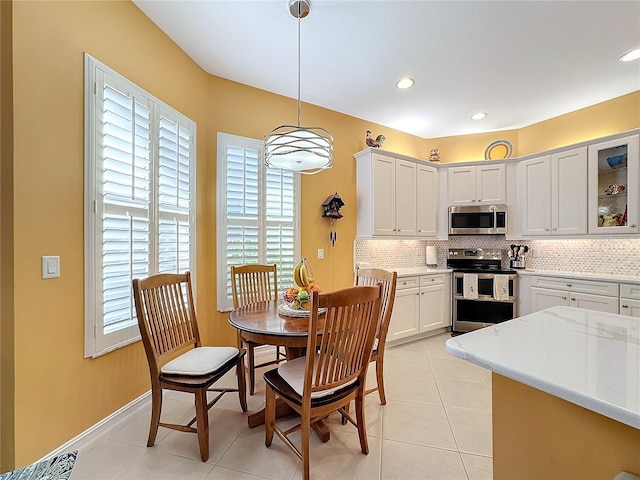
(299, 149)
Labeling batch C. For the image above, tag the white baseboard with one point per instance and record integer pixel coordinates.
(104, 427)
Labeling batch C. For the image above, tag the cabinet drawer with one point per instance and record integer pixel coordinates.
(576, 285)
(407, 282)
(427, 280)
(629, 290)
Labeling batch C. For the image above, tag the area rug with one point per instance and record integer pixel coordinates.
(56, 468)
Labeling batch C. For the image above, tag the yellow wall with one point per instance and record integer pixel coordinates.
(49, 39)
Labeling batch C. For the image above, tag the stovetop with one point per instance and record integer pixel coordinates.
(477, 260)
(497, 271)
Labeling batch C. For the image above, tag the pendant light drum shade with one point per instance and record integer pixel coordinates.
(292, 147)
(299, 149)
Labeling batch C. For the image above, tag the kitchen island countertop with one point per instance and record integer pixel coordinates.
(585, 357)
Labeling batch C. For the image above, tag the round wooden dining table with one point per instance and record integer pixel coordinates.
(262, 323)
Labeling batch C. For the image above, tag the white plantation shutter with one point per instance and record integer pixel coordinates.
(139, 176)
(257, 220)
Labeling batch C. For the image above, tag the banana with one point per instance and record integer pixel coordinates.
(296, 275)
(303, 275)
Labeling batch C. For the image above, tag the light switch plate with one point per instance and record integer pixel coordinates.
(321, 253)
(50, 267)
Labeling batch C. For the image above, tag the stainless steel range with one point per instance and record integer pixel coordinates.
(483, 292)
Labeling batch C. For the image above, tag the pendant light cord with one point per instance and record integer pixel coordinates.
(299, 15)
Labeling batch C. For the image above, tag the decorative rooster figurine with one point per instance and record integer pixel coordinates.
(377, 143)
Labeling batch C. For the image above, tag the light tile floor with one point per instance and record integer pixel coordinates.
(436, 425)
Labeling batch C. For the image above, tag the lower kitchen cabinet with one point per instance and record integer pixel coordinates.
(422, 305)
(630, 300)
(549, 292)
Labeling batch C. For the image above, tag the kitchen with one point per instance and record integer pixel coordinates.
(54, 35)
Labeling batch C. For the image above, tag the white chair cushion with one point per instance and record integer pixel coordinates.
(200, 361)
(292, 372)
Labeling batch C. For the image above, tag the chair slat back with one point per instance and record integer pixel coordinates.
(344, 349)
(253, 283)
(166, 316)
(373, 276)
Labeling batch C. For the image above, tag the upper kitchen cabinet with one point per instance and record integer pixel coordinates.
(427, 201)
(551, 190)
(613, 186)
(477, 185)
(386, 193)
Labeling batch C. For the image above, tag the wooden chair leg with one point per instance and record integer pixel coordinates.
(380, 379)
(360, 420)
(252, 368)
(242, 385)
(269, 415)
(156, 408)
(202, 422)
(305, 432)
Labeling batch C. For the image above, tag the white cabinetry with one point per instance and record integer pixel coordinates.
(613, 186)
(552, 190)
(477, 185)
(427, 201)
(630, 299)
(549, 292)
(422, 304)
(397, 197)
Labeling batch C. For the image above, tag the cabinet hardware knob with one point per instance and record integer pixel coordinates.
(625, 306)
(573, 299)
(568, 284)
(633, 225)
(473, 200)
(419, 231)
(555, 228)
(546, 229)
(564, 298)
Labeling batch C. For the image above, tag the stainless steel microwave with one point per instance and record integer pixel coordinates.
(478, 220)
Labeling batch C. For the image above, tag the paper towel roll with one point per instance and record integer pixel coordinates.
(432, 255)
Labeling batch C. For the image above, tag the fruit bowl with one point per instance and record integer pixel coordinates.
(298, 299)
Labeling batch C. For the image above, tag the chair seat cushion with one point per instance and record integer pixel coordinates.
(200, 361)
(293, 373)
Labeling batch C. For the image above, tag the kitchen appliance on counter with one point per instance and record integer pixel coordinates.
(483, 293)
(478, 220)
(517, 254)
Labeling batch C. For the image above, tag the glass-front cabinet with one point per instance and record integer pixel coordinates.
(613, 186)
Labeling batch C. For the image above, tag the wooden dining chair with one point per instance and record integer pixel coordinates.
(254, 283)
(333, 372)
(373, 276)
(177, 360)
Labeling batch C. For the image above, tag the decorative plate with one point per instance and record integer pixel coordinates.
(287, 311)
(498, 150)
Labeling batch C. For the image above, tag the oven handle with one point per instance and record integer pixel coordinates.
(460, 296)
(512, 276)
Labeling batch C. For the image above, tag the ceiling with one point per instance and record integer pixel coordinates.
(520, 61)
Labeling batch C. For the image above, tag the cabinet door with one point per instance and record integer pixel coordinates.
(384, 195)
(534, 188)
(630, 307)
(405, 198)
(426, 201)
(613, 186)
(462, 186)
(404, 317)
(432, 308)
(491, 184)
(569, 192)
(542, 298)
(594, 302)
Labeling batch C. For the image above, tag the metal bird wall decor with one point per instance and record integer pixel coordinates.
(377, 143)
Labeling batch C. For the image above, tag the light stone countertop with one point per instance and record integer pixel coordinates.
(419, 270)
(607, 277)
(588, 358)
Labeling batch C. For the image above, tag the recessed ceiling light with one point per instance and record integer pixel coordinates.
(478, 116)
(632, 55)
(405, 82)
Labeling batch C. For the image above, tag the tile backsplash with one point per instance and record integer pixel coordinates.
(612, 256)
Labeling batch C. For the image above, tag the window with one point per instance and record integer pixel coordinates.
(139, 200)
(257, 213)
